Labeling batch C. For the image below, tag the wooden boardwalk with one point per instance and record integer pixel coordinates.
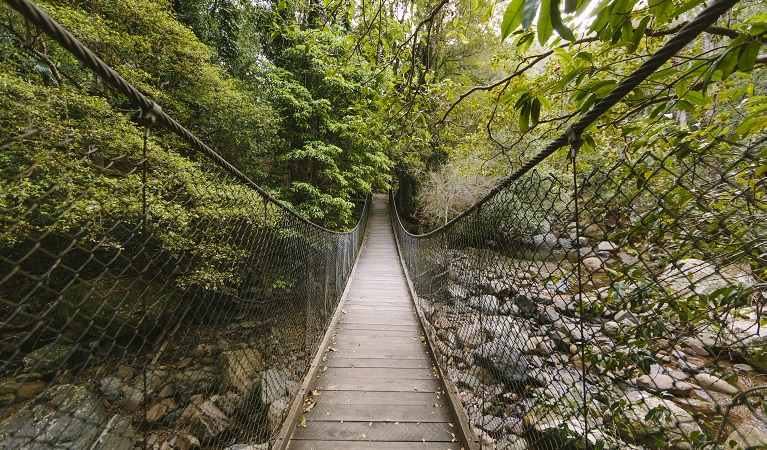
(376, 385)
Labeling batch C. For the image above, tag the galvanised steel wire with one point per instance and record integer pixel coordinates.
(637, 326)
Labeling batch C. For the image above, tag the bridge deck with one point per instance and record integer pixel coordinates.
(377, 386)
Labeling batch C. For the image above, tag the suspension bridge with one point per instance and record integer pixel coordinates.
(619, 308)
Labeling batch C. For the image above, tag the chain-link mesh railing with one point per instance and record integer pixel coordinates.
(627, 315)
(148, 300)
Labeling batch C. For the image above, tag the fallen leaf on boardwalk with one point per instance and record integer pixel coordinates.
(370, 424)
(451, 425)
(364, 435)
(324, 368)
(315, 392)
(309, 407)
(331, 349)
(302, 422)
(343, 311)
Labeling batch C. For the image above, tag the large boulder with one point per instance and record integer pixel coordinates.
(653, 421)
(113, 307)
(504, 361)
(70, 416)
(50, 358)
(693, 276)
(240, 367)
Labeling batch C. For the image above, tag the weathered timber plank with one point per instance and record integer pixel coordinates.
(379, 413)
(376, 384)
(377, 354)
(379, 362)
(392, 372)
(375, 398)
(377, 431)
(372, 445)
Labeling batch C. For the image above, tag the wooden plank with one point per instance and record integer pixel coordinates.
(330, 383)
(379, 362)
(375, 398)
(376, 354)
(405, 347)
(377, 431)
(379, 413)
(392, 372)
(372, 445)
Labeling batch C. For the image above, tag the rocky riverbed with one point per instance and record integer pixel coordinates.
(647, 362)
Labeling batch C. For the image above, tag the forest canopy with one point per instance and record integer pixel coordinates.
(323, 101)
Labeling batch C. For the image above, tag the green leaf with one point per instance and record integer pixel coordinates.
(748, 54)
(571, 6)
(636, 38)
(686, 6)
(545, 27)
(512, 18)
(524, 118)
(659, 8)
(528, 13)
(556, 21)
(535, 111)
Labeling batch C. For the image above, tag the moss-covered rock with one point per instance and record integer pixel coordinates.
(114, 307)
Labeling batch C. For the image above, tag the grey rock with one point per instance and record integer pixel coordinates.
(493, 425)
(458, 292)
(205, 420)
(132, 398)
(466, 380)
(527, 307)
(592, 264)
(69, 415)
(469, 335)
(501, 288)
(693, 276)
(240, 367)
(488, 304)
(504, 360)
(548, 315)
(111, 388)
(637, 422)
(117, 435)
(195, 381)
(626, 318)
(264, 446)
(717, 384)
(661, 383)
(49, 359)
(747, 436)
(607, 246)
(275, 385)
(276, 414)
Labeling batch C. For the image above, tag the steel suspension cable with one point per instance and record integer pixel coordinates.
(689, 32)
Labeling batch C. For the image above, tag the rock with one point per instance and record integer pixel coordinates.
(72, 417)
(205, 421)
(112, 307)
(50, 358)
(545, 240)
(607, 246)
(240, 367)
(565, 305)
(592, 264)
(275, 385)
(626, 318)
(276, 413)
(111, 388)
(565, 243)
(503, 360)
(660, 383)
(647, 418)
(627, 259)
(457, 292)
(493, 425)
(547, 315)
(194, 381)
(693, 276)
(488, 304)
(558, 287)
(717, 384)
(132, 398)
(22, 387)
(526, 306)
(264, 446)
(184, 441)
(612, 328)
(746, 436)
(158, 411)
(501, 288)
(469, 335)
(512, 443)
(117, 435)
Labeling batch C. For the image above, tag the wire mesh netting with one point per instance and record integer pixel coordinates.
(626, 316)
(148, 296)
